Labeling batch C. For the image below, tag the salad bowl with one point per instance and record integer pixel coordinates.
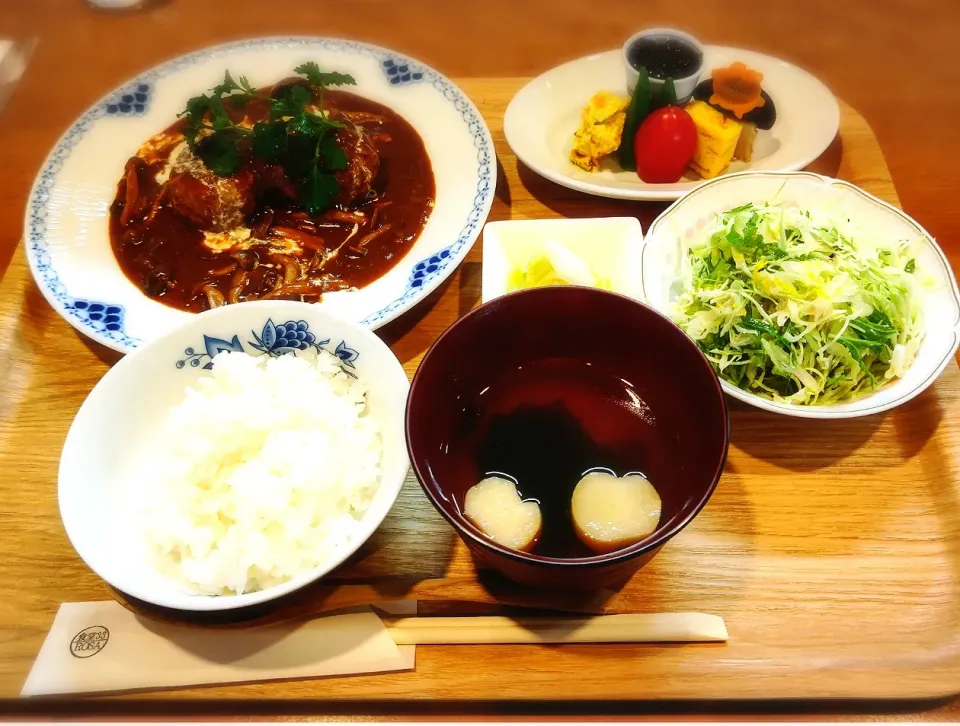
(672, 233)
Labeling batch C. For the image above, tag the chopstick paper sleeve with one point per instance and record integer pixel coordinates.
(101, 646)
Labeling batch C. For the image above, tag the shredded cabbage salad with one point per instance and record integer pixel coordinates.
(797, 307)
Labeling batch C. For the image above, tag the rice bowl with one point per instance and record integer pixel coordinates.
(114, 449)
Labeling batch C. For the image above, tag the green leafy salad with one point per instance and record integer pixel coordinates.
(799, 307)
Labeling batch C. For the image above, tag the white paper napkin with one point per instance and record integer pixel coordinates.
(101, 646)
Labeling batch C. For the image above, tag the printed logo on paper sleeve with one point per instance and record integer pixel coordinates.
(89, 641)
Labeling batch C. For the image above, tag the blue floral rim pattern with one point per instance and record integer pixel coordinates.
(132, 100)
(274, 340)
(425, 272)
(400, 72)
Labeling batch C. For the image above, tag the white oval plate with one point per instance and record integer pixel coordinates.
(666, 242)
(66, 228)
(541, 118)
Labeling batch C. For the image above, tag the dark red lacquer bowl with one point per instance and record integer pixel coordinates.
(595, 334)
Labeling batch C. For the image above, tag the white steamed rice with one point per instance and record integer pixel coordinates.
(268, 465)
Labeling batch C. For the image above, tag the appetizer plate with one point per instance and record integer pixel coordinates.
(118, 428)
(66, 227)
(666, 243)
(542, 117)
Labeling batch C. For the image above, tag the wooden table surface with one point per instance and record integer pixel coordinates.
(890, 59)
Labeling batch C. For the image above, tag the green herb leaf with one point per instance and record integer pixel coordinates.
(307, 124)
(758, 326)
(334, 157)
(859, 345)
(220, 121)
(750, 230)
(245, 85)
(190, 133)
(911, 266)
(282, 108)
(315, 77)
(269, 141)
(875, 329)
(300, 159)
(293, 102)
(196, 106)
(318, 191)
(227, 86)
(770, 252)
(219, 152)
(735, 239)
(216, 107)
(857, 352)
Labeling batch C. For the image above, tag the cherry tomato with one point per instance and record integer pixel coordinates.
(664, 145)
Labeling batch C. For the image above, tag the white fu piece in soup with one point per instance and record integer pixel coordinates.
(496, 509)
(611, 512)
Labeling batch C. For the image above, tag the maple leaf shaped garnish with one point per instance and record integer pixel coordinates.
(737, 89)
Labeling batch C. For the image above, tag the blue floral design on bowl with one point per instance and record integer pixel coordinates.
(274, 339)
(425, 269)
(287, 337)
(346, 355)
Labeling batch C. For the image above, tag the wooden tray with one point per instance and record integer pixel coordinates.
(832, 549)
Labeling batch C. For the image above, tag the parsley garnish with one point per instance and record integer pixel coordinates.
(298, 137)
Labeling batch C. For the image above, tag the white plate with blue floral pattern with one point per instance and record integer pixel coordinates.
(66, 230)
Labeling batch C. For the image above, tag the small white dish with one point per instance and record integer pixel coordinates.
(665, 245)
(684, 86)
(115, 432)
(66, 230)
(610, 246)
(540, 121)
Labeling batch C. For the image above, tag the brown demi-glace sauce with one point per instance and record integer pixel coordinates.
(162, 250)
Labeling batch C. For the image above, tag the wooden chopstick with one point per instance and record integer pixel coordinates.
(628, 628)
